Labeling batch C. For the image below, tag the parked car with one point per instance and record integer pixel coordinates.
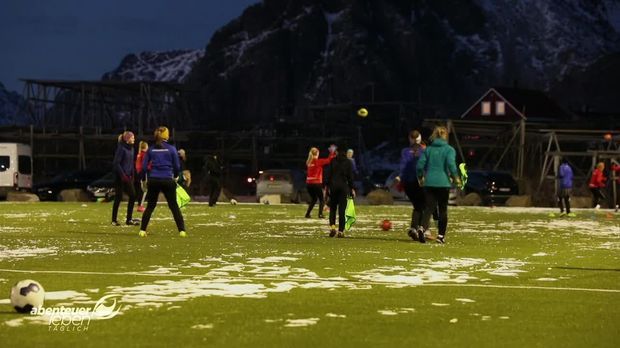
(15, 167)
(102, 188)
(50, 190)
(278, 182)
(493, 187)
(397, 194)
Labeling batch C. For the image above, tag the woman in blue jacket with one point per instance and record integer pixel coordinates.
(162, 166)
(436, 168)
(408, 178)
(123, 177)
(565, 174)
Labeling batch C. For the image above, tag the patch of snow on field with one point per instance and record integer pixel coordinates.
(334, 315)
(28, 216)
(106, 251)
(301, 322)
(12, 229)
(387, 312)
(66, 295)
(23, 252)
(272, 259)
(163, 270)
(465, 300)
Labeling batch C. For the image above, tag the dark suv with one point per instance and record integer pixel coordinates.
(493, 187)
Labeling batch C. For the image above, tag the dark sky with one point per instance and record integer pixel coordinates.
(82, 39)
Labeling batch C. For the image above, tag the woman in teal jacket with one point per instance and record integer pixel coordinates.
(436, 167)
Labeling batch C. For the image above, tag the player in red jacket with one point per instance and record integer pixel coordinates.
(597, 184)
(314, 180)
(143, 148)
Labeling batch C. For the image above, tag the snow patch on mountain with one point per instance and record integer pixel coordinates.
(170, 66)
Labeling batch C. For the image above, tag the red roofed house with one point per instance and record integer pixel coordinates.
(514, 104)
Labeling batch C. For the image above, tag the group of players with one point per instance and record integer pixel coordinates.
(159, 163)
(426, 175)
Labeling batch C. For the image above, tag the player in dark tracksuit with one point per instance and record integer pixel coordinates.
(213, 169)
(340, 185)
(123, 164)
(161, 164)
(408, 178)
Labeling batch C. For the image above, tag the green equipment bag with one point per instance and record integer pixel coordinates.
(349, 214)
(463, 170)
(182, 197)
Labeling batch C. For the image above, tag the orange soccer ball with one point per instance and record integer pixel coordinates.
(386, 225)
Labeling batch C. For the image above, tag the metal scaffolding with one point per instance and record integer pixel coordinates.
(137, 105)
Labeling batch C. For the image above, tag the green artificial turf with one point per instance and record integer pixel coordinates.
(258, 275)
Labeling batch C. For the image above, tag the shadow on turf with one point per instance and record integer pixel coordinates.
(116, 234)
(589, 269)
(350, 237)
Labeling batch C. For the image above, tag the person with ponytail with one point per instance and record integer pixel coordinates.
(408, 179)
(142, 148)
(161, 165)
(123, 177)
(314, 179)
(436, 170)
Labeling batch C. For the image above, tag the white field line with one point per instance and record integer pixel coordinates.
(301, 279)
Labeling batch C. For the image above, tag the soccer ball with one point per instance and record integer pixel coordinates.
(386, 225)
(362, 112)
(26, 295)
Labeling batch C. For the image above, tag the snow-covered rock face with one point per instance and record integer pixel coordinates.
(171, 66)
(282, 53)
(11, 104)
(541, 41)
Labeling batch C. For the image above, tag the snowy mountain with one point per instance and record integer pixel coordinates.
(10, 105)
(282, 53)
(172, 66)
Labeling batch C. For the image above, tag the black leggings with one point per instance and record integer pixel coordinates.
(337, 202)
(564, 200)
(436, 197)
(121, 187)
(215, 186)
(416, 196)
(316, 193)
(597, 195)
(169, 188)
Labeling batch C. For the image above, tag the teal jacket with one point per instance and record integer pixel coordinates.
(437, 164)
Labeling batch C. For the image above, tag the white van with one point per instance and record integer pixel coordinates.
(15, 167)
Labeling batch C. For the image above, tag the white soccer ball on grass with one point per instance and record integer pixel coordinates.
(26, 295)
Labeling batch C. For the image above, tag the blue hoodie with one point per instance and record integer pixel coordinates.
(123, 160)
(566, 176)
(164, 161)
(408, 161)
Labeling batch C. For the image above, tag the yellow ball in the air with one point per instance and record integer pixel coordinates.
(362, 112)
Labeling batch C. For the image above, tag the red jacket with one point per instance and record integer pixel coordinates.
(315, 169)
(598, 179)
(139, 159)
